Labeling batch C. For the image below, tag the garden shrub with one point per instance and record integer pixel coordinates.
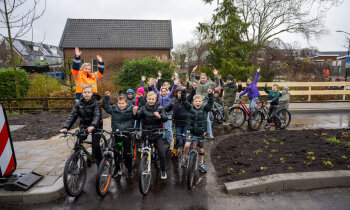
(42, 85)
(7, 82)
(132, 70)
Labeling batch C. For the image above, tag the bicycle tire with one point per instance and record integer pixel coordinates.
(103, 177)
(212, 115)
(235, 113)
(284, 117)
(145, 176)
(191, 171)
(179, 159)
(77, 164)
(255, 120)
(104, 145)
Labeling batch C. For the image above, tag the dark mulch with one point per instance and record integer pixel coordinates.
(39, 126)
(284, 151)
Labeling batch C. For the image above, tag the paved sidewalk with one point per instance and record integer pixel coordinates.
(46, 157)
(329, 106)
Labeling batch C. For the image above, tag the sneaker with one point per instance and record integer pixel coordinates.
(267, 126)
(202, 168)
(210, 137)
(130, 174)
(163, 175)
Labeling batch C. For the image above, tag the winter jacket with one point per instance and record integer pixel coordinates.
(218, 100)
(149, 120)
(202, 89)
(230, 90)
(164, 100)
(121, 119)
(81, 78)
(273, 97)
(89, 113)
(252, 90)
(284, 101)
(179, 112)
(131, 100)
(197, 118)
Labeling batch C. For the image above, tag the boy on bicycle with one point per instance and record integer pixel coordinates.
(88, 111)
(122, 119)
(274, 96)
(197, 123)
(153, 116)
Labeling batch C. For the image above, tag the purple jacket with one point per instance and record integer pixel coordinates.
(252, 90)
(165, 100)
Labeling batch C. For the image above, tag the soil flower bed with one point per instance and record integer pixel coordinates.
(284, 151)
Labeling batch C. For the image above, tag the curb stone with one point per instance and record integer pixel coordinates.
(290, 181)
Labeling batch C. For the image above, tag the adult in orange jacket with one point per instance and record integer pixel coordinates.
(83, 76)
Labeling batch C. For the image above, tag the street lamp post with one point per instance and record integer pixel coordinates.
(346, 71)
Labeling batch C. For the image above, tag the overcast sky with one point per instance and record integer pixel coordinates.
(184, 14)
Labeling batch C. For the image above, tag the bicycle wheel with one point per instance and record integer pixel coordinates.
(179, 158)
(255, 120)
(212, 115)
(284, 117)
(74, 174)
(145, 175)
(104, 143)
(191, 170)
(236, 117)
(103, 177)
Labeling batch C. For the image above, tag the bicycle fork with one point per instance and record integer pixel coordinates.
(147, 151)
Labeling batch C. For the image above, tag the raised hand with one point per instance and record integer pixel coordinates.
(176, 74)
(99, 58)
(265, 83)
(183, 88)
(195, 68)
(151, 82)
(194, 85)
(134, 109)
(215, 72)
(143, 78)
(107, 93)
(77, 52)
(159, 74)
(239, 82)
(258, 70)
(176, 81)
(157, 115)
(210, 90)
(187, 79)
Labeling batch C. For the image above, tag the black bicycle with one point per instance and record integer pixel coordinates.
(149, 155)
(193, 159)
(111, 163)
(75, 169)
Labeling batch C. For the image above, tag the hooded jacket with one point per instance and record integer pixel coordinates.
(230, 90)
(89, 113)
(202, 89)
(149, 120)
(284, 100)
(164, 101)
(121, 119)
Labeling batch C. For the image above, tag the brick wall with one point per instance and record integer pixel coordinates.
(114, 58)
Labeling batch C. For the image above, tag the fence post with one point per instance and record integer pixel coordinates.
(344, 92)
(45, 104)
(309, 96)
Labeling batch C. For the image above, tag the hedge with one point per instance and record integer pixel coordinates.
(7, 82)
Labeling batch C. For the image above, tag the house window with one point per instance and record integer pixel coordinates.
(94, 65)
(35, 48)
(41, 58)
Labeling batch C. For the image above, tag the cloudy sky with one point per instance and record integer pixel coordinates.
(184, 14)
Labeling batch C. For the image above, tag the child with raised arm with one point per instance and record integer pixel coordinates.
(274, 96)
(122, 120)
(197, 122)
(153, 116)
(252, 91)
(203, 85)
(88, 111)
(230, 90)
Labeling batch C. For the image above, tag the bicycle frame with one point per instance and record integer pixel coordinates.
(244, 107)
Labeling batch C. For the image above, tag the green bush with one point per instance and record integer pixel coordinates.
(7, 83)
(132, 70)
(42, 85)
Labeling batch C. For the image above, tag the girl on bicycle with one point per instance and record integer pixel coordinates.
(252, 91)
(197, 120)
(122, 119)
(153, 116)
(89, 112)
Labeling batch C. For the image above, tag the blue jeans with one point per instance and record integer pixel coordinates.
(179, 139)
(209, 130)
(252, 104)
(169, 128)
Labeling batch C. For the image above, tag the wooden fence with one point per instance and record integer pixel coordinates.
(339, 86)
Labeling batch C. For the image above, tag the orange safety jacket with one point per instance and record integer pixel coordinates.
(81, 78)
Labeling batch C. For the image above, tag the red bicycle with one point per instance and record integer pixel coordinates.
(239, 113)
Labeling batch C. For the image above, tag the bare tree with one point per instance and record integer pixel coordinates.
(18, 16)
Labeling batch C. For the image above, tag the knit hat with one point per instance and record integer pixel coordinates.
(141, 90)
(286, 88)
(218, 88)
(130, 91)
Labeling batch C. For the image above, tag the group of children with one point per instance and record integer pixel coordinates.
(157, 106)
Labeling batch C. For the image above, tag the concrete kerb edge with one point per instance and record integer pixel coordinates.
(290, 181)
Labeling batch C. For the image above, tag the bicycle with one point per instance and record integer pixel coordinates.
(193, 159)
(149, 155)
(216, 114)
(281, 118)
(75, 169)
(238, 115)
(108, 164)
